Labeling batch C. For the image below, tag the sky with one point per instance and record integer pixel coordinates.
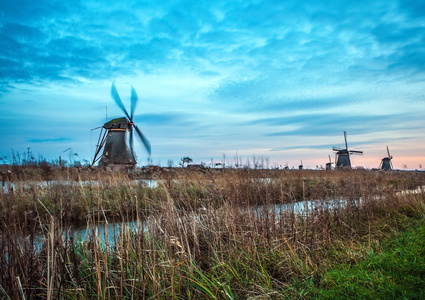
(277, 81)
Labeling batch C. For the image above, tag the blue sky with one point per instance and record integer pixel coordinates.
(280, 80)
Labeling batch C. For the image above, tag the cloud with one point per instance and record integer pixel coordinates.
(332, 124)
(415, 9)
(219, 71)
(55, 140)
(132, 38)
(304, 147)
(161, 119)
(30, 11)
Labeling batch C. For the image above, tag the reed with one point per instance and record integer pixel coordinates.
(213, 234)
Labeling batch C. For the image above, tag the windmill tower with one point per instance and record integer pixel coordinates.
(386, 163)
(301, 166)
(117, 153)
(342, 155)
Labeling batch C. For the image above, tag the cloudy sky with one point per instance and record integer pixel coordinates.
(280, 80)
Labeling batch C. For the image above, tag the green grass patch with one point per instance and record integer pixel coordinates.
(397, 271)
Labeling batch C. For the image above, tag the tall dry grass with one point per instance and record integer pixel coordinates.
(200, 234)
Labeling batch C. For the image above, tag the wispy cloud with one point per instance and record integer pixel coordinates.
(55, 140)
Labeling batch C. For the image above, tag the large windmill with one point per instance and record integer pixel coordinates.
(117, 153)
(342, 155)
(386, 163)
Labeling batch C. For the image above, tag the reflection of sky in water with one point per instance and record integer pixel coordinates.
(111, 231)
(304, 207)
(17, 185)
(101, 232)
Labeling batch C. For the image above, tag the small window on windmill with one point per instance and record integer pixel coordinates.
(106, 153)
(131, 160)
(110, 133)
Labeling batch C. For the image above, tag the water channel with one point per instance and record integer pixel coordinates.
(112, 230)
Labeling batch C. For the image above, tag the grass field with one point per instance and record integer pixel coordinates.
(202, 236)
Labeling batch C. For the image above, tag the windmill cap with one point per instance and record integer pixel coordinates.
(117, 123)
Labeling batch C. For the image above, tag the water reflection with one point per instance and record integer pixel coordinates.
(112, 231)
(109, 232)
(24, 185)
(304, 207)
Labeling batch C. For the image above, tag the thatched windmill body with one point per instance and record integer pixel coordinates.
(116, 138)
(342, 155)
(386, 163)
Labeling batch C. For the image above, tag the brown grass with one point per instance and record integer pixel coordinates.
(199, 232)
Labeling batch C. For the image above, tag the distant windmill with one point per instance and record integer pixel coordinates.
(117, 155)
(342, 155)
(301, 166)
(329, 164)
(71, 155)
(386, 163)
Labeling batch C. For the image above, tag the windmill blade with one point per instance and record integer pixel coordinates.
(134, 98)
(131, 142)
(345, 139)
(144, 140)
(356, 152)
(117, 100)
(389, 155)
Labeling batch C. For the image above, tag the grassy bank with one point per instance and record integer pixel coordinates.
(395, 270)
(197, 237)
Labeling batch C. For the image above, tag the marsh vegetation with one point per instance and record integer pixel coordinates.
(200, 235)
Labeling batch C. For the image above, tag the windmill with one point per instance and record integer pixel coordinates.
(71, 156)
(117, 154)
(301, 166)
(386, 163)
(342, 155)
(329, 164)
